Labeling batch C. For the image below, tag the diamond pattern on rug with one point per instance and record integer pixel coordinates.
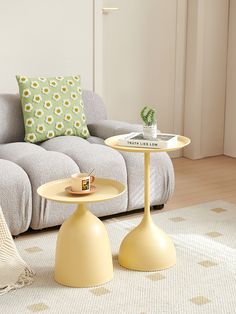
(100, 291)
(133, 291)
(214, 234)
(218, 210)
(200, 300)
(177, 219)
(33, 249)
(156, 277)
(37, 307)
(207, 264)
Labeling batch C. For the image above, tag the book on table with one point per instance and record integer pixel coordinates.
(163, 140)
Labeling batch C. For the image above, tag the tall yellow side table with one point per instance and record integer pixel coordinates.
(83, 254)
(147, 247)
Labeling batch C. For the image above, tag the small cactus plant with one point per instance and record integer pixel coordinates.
(148, 116)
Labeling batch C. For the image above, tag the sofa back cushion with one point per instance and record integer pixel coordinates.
(11, 119)
(94, 107)
(12, 122)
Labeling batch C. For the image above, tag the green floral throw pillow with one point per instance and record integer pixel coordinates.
(52, 107)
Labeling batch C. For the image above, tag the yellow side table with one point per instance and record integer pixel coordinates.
(83, 254)
(147, 247)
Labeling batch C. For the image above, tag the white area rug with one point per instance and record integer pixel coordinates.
(203, 281)
(14, 272)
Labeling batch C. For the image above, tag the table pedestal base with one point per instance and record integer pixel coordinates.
(83, 254)
(147, 248)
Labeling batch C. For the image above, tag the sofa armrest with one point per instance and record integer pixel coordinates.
(107, 128)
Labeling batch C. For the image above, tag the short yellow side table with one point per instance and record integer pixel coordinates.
(147, 247)
(83, 254)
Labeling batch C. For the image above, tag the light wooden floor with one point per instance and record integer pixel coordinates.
(197, 181)
(203, 180)
(200, 181)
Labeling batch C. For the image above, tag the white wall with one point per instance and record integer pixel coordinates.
(147, 60)
(206, 77)
(230, 116)
(142, 60)
(46, 37)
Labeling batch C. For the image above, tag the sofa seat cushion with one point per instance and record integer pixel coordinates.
(42, 166)
(105, 161)
(15, 196)
(18, 150)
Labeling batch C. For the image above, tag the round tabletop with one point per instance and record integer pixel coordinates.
(113, 142)
(105, 189)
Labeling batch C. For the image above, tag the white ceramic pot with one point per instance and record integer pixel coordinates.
(150, 131)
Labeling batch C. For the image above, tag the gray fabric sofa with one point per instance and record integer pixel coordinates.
(24, 167)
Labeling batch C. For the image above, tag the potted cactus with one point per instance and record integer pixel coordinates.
(148, 116)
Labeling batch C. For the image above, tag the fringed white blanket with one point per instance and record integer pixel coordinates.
(14, 272)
